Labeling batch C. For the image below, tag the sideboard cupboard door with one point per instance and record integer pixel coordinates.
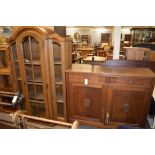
(127, 105)
(86, 104)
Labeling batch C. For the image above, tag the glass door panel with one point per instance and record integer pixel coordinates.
(37, 73)
(16, 65)
(60, 109)
(17, 70)
(26, 50)
(29, 74)
(35, 49)
(58, 73)
(42, 110)
(39, 92)
(57, 52)
(59, 93)
(32, 94)
(31, 54)
(34, 108)
(14, 51)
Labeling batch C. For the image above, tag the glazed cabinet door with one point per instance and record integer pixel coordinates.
(126, 105)
(31, 64)
(85, 103)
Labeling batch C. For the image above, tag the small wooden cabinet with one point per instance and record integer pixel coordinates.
(108, 96)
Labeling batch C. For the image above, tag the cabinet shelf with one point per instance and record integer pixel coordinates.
(36, 83)
(5, 71)
(59, 82)
(39, 97)
(59, 99)
(32, 62)
(35, 101)
(58, 63)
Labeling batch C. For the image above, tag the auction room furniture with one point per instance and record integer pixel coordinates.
(136, 53)
(143, 35)
(6, 77)
(39, 58)
(107, 96)
(96, 59)
(84, 51)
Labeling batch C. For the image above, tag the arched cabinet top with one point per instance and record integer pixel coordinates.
(43, 31)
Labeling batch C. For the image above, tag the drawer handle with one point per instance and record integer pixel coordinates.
(107, 118)
(86, 102)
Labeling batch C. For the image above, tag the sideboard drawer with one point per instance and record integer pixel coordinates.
(90, 78)
(129, 81)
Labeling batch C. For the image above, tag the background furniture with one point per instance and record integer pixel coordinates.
(143, 35)
(84, 51)
(6, 77)
(136, 53)
(107, 96)
(39, 58)
(92, 59)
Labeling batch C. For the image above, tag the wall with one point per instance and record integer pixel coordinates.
(125, 30)
(93, 32)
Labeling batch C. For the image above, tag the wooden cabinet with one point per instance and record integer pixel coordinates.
(39, 59)
(6, 76)
(108, 96)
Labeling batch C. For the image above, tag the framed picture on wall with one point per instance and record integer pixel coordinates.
(105, 37)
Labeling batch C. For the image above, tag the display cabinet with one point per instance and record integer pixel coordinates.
(143, 35)
(39, 59)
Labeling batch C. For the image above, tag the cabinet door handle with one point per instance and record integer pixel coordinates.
(107, 118)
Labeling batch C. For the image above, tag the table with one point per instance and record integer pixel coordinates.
(97, 59)
(85, 51)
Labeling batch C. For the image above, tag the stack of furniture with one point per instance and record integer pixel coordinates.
(39, 58)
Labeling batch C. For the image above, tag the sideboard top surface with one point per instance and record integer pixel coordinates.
(112, 70)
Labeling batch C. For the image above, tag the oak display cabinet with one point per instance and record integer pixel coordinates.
(39, 58)
(108, 96)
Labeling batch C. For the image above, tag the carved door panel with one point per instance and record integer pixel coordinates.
(86, 102)
(127, 105)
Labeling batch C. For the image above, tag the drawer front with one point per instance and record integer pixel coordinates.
(86, 77)
(129, 81)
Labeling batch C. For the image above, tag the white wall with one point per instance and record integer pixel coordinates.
(93, 32)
